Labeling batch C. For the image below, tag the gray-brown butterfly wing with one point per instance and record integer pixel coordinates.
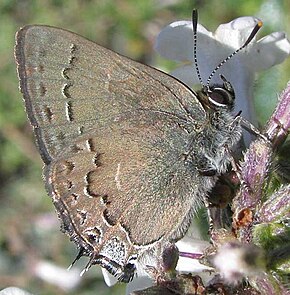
(112, 134)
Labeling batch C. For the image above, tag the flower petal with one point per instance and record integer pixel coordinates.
(109, 279)
(58, 276)
(176, 41)
(191, 245)
(269, 51)
(186, 74)
(236, 32)
(139, 283)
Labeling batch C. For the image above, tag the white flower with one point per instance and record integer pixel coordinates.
(236, 261)
(176, 42)
(13, 291)
(58, 276)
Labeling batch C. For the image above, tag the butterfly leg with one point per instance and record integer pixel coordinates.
(251, 128)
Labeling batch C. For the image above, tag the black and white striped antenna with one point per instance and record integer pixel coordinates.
(194, 26)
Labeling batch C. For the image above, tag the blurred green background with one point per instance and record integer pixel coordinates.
(29, 230)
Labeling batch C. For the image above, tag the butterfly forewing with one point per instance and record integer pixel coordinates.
(72, 85)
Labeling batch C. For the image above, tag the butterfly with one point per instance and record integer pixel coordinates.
(129, 152)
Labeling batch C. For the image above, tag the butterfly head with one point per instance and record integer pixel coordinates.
(218, 96)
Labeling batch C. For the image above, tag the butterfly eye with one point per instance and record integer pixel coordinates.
(221, 97)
